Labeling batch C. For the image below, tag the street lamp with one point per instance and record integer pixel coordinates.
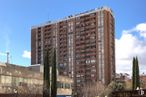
(140, 91)
(9, 90)
(16, 92)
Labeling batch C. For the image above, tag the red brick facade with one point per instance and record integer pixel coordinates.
(85, 45)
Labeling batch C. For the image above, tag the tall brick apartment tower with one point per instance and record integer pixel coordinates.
(84, 42)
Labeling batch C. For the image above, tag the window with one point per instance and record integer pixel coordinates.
(92, 36)
(6, 79)
(92, 75)
(93, 70)
(58, 84)
(67, 85)
(77, 75)
(93, 61)
(78, 80)
(61, 85)
(88, 61)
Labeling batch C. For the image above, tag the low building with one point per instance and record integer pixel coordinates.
(122, 77)
(64, 85)
(143, 80)
(14, 78)
(20, 79)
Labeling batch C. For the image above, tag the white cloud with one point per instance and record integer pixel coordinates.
(130, 45)
(26, 54)
(2, 54)
(142, 29)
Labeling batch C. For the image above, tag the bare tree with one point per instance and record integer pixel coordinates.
(27, 91)
(92, 89)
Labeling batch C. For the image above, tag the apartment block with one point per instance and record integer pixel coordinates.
(85, 45)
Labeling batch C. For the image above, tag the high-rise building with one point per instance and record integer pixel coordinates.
(85, 45)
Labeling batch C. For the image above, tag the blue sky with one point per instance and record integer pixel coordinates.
(18, 16)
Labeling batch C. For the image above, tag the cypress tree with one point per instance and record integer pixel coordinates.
(133, 74)
(137, 73)
(54, 77)
(46, 75)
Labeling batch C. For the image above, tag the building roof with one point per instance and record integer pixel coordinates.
(25, 72)
(17, 71)
(74, 16)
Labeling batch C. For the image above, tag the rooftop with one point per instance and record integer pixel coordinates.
(15, 70)
(74, 16)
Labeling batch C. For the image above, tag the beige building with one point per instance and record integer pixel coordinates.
(19, 79)
(143, 81)
(15, 78)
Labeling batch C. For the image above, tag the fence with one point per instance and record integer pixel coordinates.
(20, 95)
(28, 95)
(134, 93)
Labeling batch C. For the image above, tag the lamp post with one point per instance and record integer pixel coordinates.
(9, 90)
(140, 91)
(16, 92)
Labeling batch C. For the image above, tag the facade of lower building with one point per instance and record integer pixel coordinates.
(18, 78)
(85, 46)
(29, 80)
(143, 81)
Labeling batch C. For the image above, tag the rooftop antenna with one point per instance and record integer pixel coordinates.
(8, 57)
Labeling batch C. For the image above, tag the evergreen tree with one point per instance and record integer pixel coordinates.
(135, 74)
(54, 77)
(46, 79)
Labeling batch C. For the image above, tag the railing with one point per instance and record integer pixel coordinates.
(20, 95)
(28, 95)
(134, 93)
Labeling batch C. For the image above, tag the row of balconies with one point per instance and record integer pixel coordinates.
(86, 17)
(84, 24)
(83, 46)
(48, 30)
